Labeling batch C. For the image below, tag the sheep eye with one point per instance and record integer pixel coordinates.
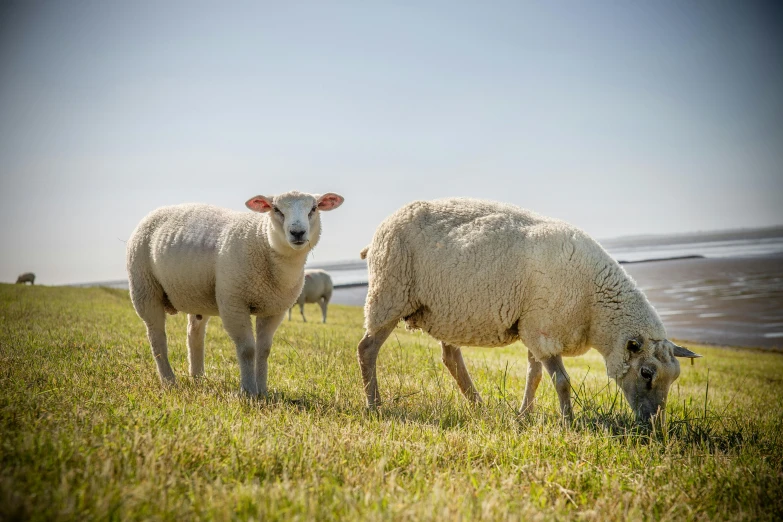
(278, 211)
(312, 211)
(647, 374)
(633, 346)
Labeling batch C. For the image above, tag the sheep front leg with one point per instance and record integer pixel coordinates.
(240, 329)
(368, 350)
(265, 331)
(197, 332)
(531, 384)
(301, 310)
(554, 366)
(452, 358)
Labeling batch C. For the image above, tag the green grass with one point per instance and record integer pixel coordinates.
(87, 432)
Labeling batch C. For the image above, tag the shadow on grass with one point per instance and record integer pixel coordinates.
(602, 412)
(440, 415)
(713, 433)
(683, 427)
(682, 430)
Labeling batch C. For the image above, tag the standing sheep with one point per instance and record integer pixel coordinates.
(205, 261)
(27, 277)
(317, 289)
(481, 273)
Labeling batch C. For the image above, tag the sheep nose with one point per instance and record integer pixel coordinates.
(298, 235)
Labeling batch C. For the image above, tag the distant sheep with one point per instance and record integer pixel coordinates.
(206, 261)
(27, 277)
(481, 273)
(317, 289)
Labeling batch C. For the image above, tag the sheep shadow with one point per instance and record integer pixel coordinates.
(445, 417)
(441, 414)
(710, 433)
(683, 429)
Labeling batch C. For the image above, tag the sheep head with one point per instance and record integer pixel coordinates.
(630, 335)
(295, 222)
(652, 367)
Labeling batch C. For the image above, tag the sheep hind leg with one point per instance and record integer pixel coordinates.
(452, 358)
(323, 303)
(554, 366)
(368, 350)
(155, 319)
(301, 311)
(531, 384)
(197, 332)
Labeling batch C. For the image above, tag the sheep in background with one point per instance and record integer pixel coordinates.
(27, 277)
(481, 273)
(205, 260)
(317, 289)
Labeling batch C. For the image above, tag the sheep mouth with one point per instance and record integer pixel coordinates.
(648, 415)
(299, 242)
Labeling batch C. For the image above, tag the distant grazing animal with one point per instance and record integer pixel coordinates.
(317, 289)
(206, 261)
(481, 273)
(27, 277)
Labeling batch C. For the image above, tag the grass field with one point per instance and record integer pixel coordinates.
(87, 432)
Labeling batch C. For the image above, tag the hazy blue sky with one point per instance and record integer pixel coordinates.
(621, 117)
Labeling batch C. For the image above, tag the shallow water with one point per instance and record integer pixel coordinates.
(733, 301)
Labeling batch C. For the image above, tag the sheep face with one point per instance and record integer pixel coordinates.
(294, 216)
(652, 368)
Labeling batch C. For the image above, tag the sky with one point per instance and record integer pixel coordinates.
(622, 118)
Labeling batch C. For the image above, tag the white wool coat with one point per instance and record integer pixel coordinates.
(210, 261)
(481, 273)
(317, 285)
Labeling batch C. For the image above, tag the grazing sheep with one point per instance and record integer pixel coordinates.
(205, 261)
(471, 272)
(317, 289)
(27, 277)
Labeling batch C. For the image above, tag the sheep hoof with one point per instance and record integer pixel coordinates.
(250, 394)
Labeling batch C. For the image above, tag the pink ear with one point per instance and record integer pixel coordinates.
(259, 204)
(330, 201)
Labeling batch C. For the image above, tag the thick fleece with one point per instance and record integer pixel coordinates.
(205, 260)
(481, 273)
(27, 277)
(317, 289)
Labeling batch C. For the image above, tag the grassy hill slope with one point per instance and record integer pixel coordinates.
(87, 432)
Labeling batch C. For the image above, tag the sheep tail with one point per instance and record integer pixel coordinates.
(363, 253)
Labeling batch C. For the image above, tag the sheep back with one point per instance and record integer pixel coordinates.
(27, 277)
(473, 272)
(202, 258)
(317, 284)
